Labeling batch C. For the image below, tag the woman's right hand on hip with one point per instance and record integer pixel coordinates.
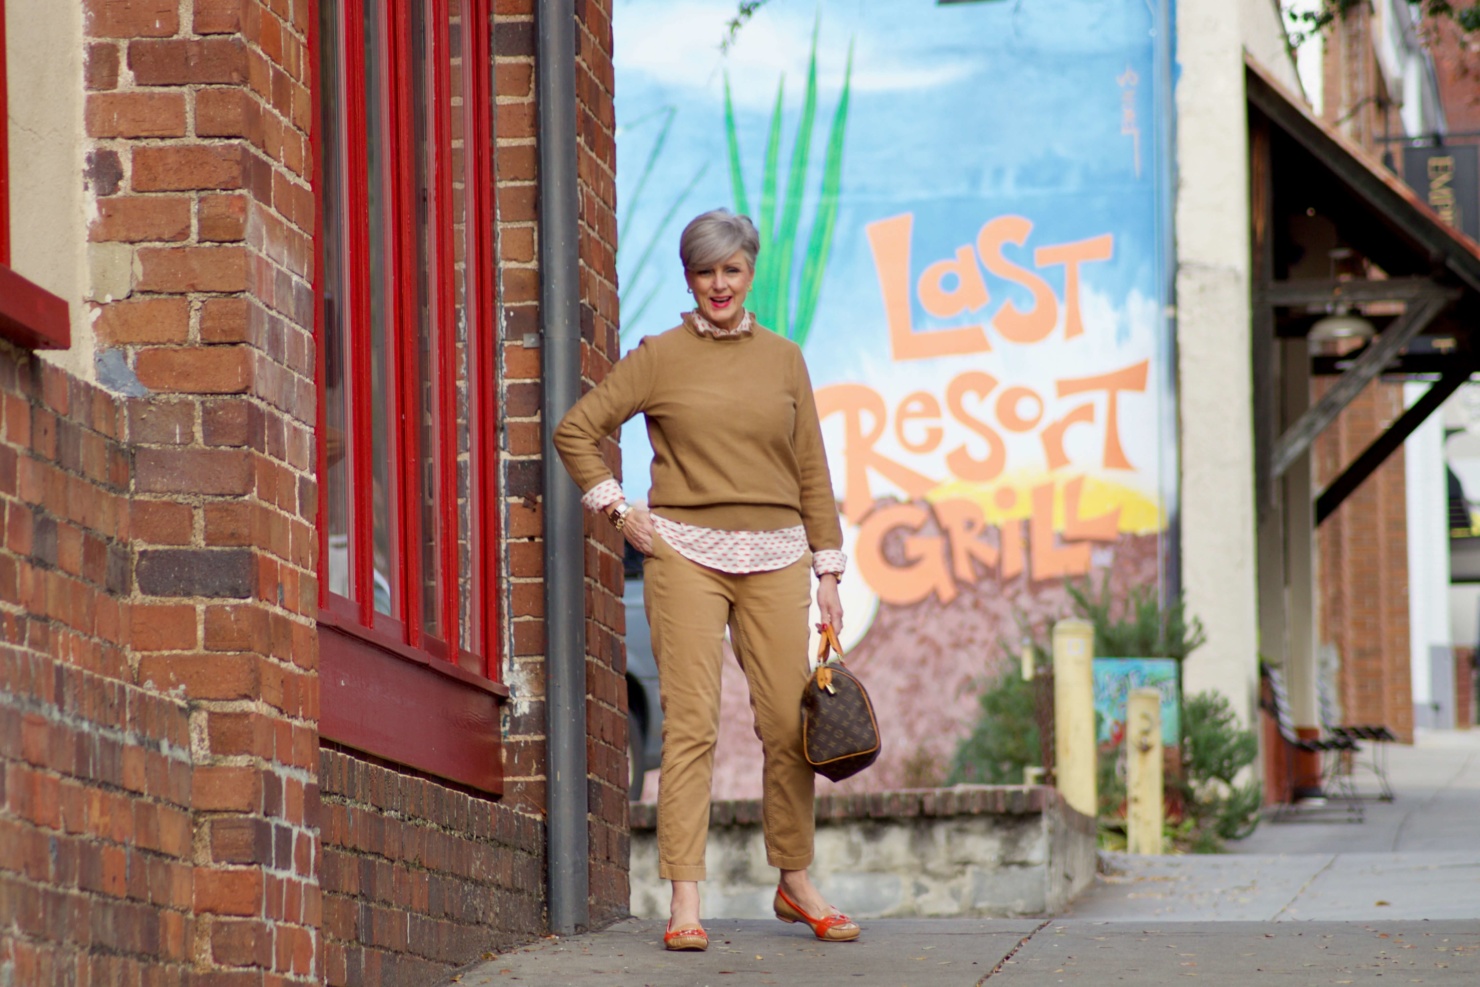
(639, 529)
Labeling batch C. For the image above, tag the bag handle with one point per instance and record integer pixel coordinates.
(829, 641)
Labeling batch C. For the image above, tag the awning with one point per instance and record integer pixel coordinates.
(1316, 198)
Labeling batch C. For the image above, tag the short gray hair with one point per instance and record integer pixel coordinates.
(715, 235)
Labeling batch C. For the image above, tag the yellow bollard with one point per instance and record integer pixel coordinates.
(1143, 754)
(1075, 750)
(1027, 660)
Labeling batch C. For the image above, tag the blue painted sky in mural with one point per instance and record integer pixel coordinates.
(959, 113)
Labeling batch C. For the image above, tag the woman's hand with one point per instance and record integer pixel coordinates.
(828, 602)
(638, 529)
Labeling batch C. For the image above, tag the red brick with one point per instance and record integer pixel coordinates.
(218, 472)
(236, 628)
(135, 114)
(162, 628)
(226, 423)
(222, 218)
(217, 16)
(226, 788)
(169, 423)
(187, 168)
(138, 218)
(101, 69)
(196, 369)
(241, 943)
(222, 113)
(162, 522)
(130, 18)
(144, 320)
(214, 677)
(181, 269)
(514, 80)
(179, 62)
(224, 320)
(228, 892)
(228, 524)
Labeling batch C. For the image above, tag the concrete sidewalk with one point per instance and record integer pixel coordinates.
(1012, 953)
(1394, 899)
(1417, 857)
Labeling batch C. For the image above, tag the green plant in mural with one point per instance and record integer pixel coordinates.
(639, 284)
(780, 305)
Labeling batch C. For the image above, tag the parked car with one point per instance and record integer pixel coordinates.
(644, 713)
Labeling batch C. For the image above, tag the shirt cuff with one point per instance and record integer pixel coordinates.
(829, 561)
(603, 495)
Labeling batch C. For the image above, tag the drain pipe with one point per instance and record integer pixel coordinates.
(567, 842)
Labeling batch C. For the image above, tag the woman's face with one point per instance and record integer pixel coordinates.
(720, 289)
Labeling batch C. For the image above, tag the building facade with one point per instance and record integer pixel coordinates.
(274, 631)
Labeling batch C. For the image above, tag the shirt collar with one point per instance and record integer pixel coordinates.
(704, 327)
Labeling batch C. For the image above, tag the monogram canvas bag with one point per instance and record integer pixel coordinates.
(840, 733)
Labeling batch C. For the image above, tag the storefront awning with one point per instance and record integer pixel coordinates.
(1335, 231)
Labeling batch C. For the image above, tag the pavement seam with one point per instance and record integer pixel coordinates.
(1014, 951)
(1305, 887)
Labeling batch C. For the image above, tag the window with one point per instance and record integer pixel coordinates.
(407, 525)
(30, 316)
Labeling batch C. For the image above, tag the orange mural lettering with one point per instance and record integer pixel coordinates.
(907, 552)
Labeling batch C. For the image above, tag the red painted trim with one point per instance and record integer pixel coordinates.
(401, 141)
(356, 178)
(4, 150)
(446, 321)
(320, 380)
(478, 151)
(31, 316)
(337, 617)
(372, 700)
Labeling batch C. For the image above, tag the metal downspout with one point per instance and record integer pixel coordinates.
(567, 841)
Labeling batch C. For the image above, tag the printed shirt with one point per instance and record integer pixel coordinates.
(735, 552)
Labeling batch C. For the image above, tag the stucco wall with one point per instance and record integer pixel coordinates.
(48, 205)
(1215, 397)
(964, 851)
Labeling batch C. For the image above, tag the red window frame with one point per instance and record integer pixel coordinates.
(376, 668)
(30, 316)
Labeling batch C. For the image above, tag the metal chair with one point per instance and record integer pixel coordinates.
(1336, 780)
(1377, 737)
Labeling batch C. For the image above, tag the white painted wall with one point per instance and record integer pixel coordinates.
(1429, 623)
(49, 209)
(1215, 396)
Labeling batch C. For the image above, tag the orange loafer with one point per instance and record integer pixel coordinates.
(829, 928)
(690, 940)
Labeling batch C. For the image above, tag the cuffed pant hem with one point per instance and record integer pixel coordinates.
(789, 863)
(680, 872)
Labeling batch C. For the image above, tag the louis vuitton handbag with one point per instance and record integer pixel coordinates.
(840, 733)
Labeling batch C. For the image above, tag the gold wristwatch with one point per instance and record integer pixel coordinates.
(617, 514)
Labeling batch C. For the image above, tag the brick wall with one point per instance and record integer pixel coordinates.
(418, 877)
(96, 778)
(516, 164)
(167, 810)
(1363, 572)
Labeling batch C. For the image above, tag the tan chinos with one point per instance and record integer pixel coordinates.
(688, 608)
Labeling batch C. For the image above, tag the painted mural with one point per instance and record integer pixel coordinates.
(962, 213)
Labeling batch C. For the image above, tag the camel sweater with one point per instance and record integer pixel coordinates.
(733, 425)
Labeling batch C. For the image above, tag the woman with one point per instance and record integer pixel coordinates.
(741, 504)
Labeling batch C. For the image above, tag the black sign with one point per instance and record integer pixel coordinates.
(1448, 179)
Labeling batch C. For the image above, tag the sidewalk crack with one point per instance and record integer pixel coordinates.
(1014, 951)
(1304, 887)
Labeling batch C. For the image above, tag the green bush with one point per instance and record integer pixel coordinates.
(1205, 804)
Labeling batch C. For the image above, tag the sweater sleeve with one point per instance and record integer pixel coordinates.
(601, 412)
(819, 503)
